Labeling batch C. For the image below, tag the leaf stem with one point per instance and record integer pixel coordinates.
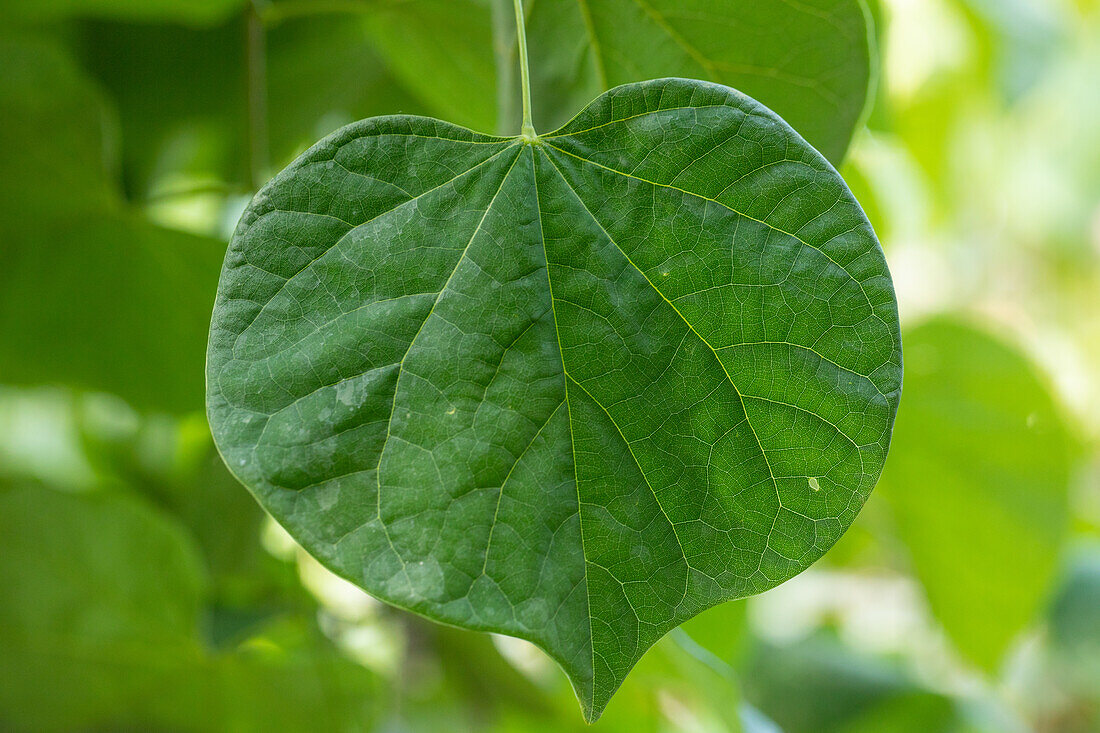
(528, 129)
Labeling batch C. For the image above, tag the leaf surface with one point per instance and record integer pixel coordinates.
(91, 294)
(100, 630)
(576, 390)
(978, 482)
(811, 61)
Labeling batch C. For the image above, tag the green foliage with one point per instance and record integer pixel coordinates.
(810, 62)
(101, 582)
(104, 632)
(111, 290)
(150, 602)
(448, 362)
(978, 438)
(820, 686)
(443, 51)
(321, 72)
(191, 11)
(47, 103)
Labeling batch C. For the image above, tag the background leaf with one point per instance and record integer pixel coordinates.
(811, 62)
(112, 291)
(190, 11)
(978, 481)
(92, 583)
(101, 630)
(189, 129)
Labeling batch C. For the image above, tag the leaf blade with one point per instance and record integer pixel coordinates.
(494, 395)
(981, 435)
(584, 47)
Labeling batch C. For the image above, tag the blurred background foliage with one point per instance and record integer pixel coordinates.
(144, 590)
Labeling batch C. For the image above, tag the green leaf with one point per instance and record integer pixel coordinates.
(108, 303)
(1074, 625)
(91, 295)
(61, 165)
(99, 627)
(821, 685)
(721, 630)
(1072, 663)
(442, 51)
(321, 73)
(574, 390)
(91, 585)
(978, 481)
(179, 11)
(811, 62)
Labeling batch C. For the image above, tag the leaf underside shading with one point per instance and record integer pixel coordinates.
(572, 391)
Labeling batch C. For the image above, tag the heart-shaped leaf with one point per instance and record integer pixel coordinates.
(576, 388)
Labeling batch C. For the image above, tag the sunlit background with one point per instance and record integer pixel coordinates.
(141, 588)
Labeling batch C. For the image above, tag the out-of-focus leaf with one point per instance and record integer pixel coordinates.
(720, 630)
(442, 51)
(181, 11)
(1017, 39)
(172, 463)
(434, 414)
(978, 480)
(1075, 618)
(180, 94)
(811, 61)
(915, 712)
(95, 590)
(106, 302)
(100, 630)
(90, 294)
(59, 134)
(321, 73)
(821, 686)
(290, 678)
(474, 670)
